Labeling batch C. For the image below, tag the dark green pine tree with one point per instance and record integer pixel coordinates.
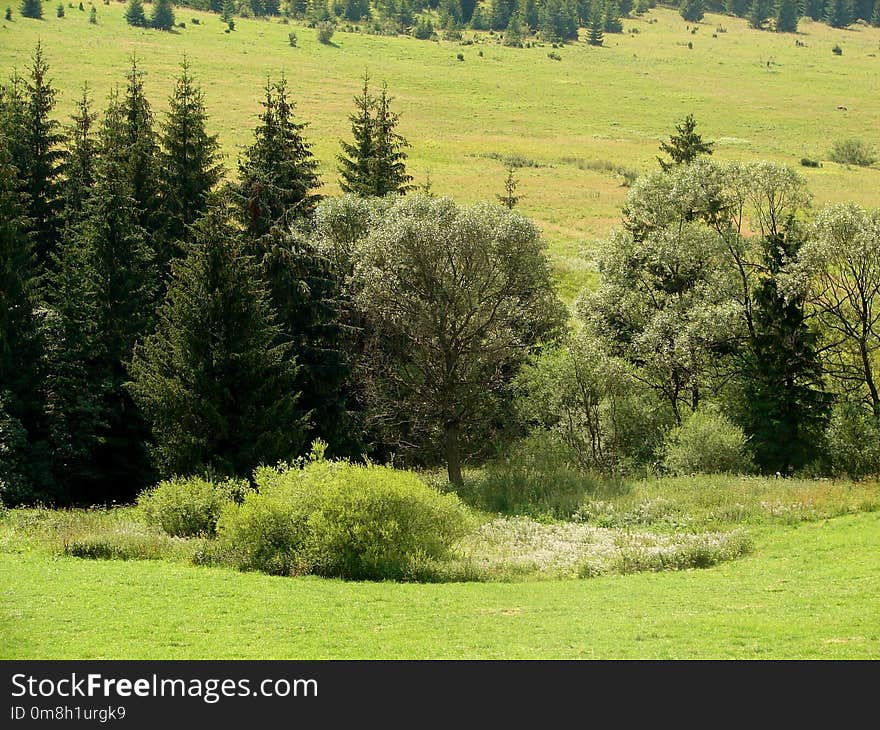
(136, 153)
(692, 10)
(501, 12)
(839, 13)
(863, 9)
(305, 292)
(278, 175)
(684, 146)
(32, 9)
(135, 15)
(102, 303)
(228, 11)
(390, 166)
(787, 16)
(42, 158)
(25, 469)
(786, 407)
(189, 163)
(597, 25)
(740, 8)
(356, 162)
(82, 153)
(875, 17)
(814, 9)
(213, 380)
(612, 17)
(759, 12)
(163, 15)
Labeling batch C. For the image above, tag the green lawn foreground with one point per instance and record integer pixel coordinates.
(810, 591)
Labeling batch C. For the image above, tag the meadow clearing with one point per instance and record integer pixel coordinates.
(756, 94)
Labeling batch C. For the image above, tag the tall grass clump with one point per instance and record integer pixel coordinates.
(853, 152)
(338, 519)
(188, 506)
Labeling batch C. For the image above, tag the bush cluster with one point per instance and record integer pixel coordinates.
(185, 507)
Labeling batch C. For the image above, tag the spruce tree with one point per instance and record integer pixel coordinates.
(786, 407)
(839, 13)
(135, 15)
(875, 18)
(390, 170)
(40, 166)
(163, 15)
(510, 198)
(513, 35)
(787, 16)
(24, 456)
(32, 9)
(213, 380)
(685, 146)
(356, 162)
(612, 17)
(758, 13)
(501, 12)
(814, 9)
(306, 293)
(597, 25)
(136, 152)
(692, 10)
(189, 163)
(79, 168)
(228, 11)
(102, 297)
(278, 175)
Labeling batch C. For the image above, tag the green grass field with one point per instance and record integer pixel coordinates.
(756, 93)
(806, 591)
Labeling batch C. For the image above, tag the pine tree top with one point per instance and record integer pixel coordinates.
(685, 146)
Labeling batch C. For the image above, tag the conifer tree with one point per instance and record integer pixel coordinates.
(32, 9)
(612, 17)
(390, 170)
(787, 409)
(305, 292)
(228, 11)
(102, 297)
(510, 198)
(24, 459)
(513, 35)
(136, 152)
(758, 13)
(213, 380)
(739, 8)
(814, 9)
(40, 157)
(163, 15)
(189, 163)
(692, 10)
(135, 15)
(875, 17)
(79, 168)
(278, 175)
(597, 24)
(357, 158)
(839, 13)
(685, 146)
(787, 16)
(501, 12)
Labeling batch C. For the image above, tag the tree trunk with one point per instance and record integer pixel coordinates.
(452, 453)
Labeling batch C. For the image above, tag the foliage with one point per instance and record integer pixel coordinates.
(189, 165)
(324, 31)
(278, 174)
(706, 443)
(460, 296)
(853, 152)
(135, 15)
(188, 507)
(684, 146)
(32, 9)
(213, 380)
(854, 440)
(163, 15)
(340, 520)
(787, 16)
(692, 10)
(375, 163)
(597, 25)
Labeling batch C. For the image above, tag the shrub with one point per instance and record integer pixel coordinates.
(837, 50)
(8, 14)
(460, 57)
(807, 162)
(185, 506)
(341, 520)
(554, 56)
(706, 443)
(195, 21)
(854, 441)
(423, 29)
(230, 25)
(853, 152)
(291, 39)
(325, 30)
(59, 11)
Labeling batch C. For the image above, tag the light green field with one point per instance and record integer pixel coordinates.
(811, 591)
(756, 93)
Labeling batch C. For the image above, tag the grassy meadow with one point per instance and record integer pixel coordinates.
(807, 587)
(757, 94)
